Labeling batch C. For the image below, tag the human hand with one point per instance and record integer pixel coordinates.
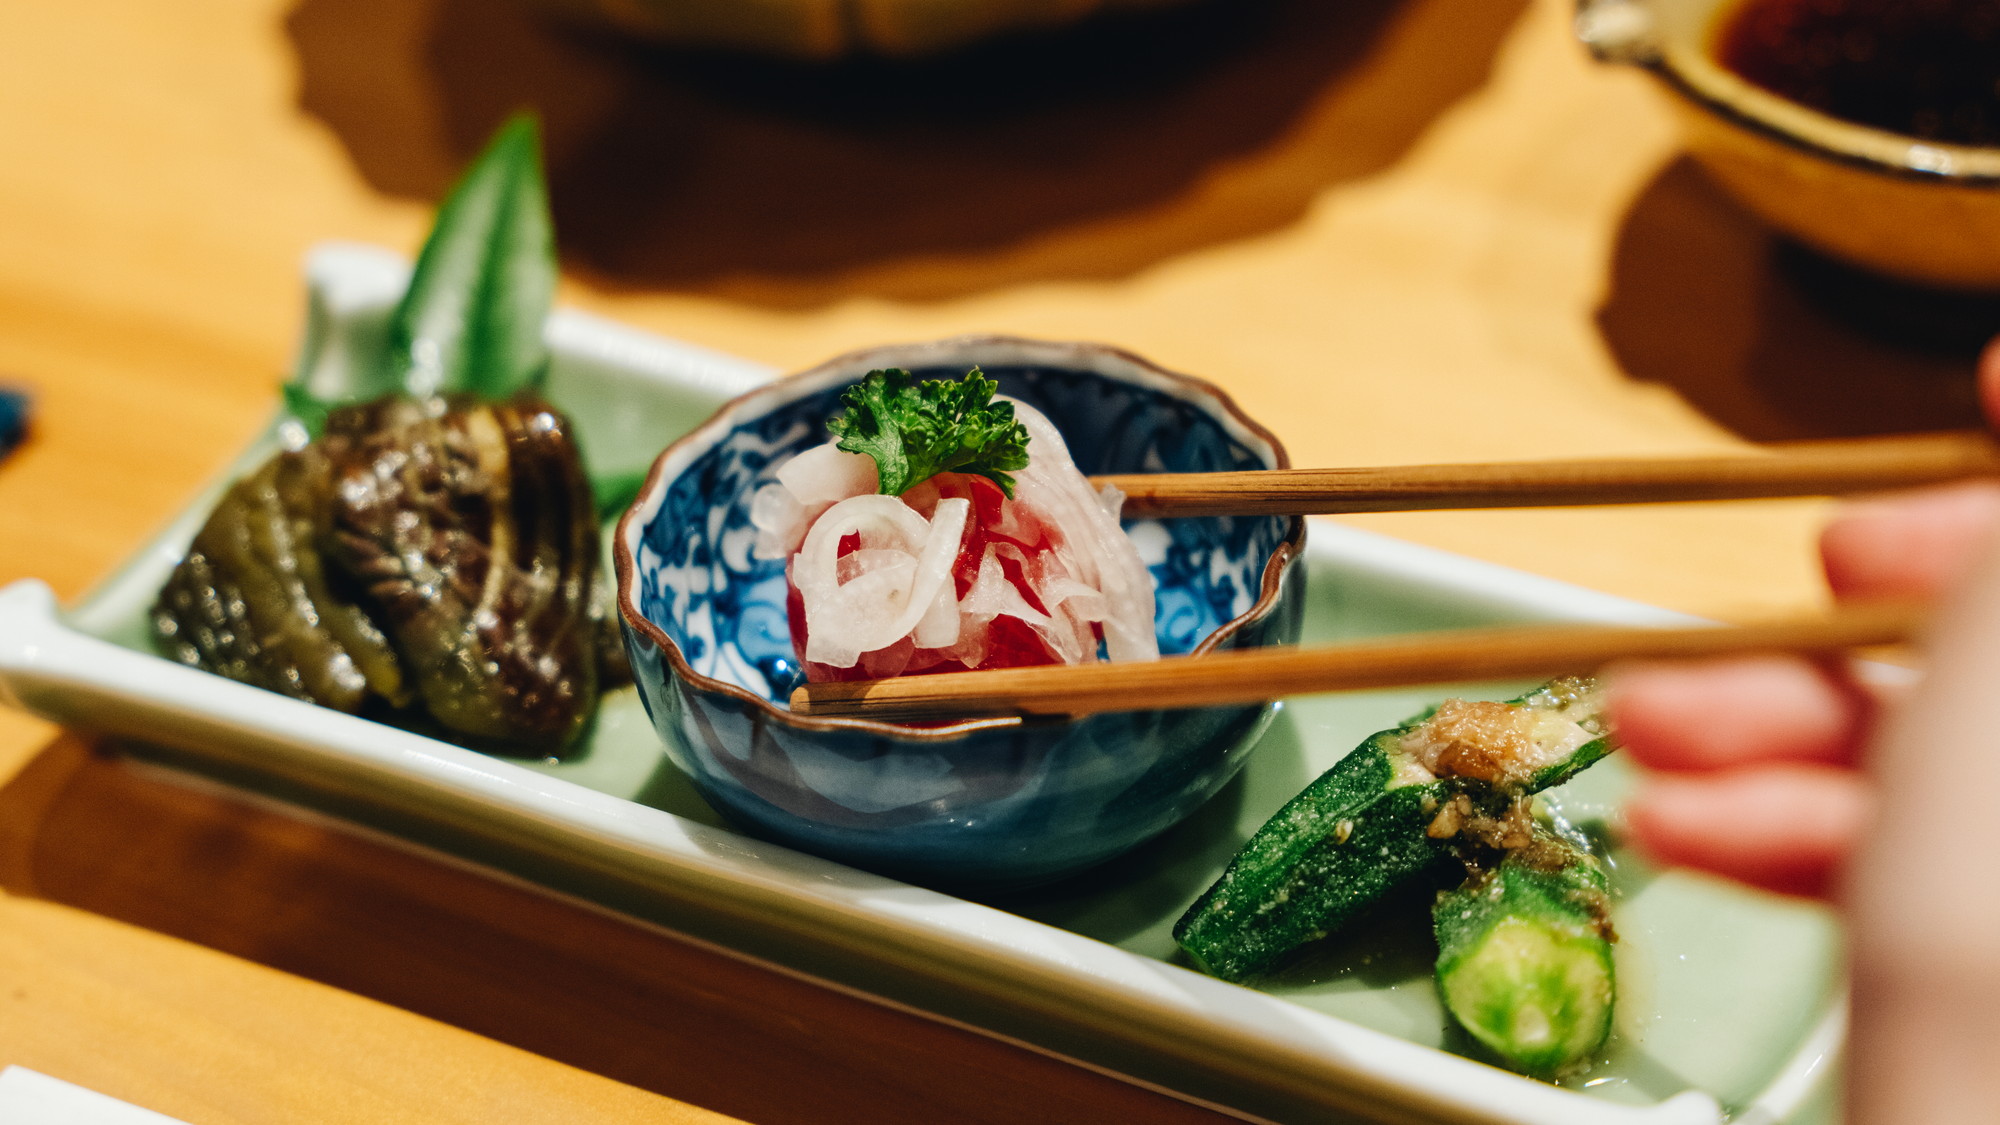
(1760, 758)
(1794, 776)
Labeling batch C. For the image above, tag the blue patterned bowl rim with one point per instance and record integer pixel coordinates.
(993, 351)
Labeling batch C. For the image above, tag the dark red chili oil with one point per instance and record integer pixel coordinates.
(1924, 68)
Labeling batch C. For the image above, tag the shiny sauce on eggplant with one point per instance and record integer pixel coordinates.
(431, 565)
(1928, 69)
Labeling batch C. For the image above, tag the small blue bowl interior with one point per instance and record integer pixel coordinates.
(995, 803)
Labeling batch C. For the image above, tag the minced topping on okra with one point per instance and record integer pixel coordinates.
(1503, 744)
(1486, 839)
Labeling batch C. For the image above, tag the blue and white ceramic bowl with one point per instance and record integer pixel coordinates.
(989, 802)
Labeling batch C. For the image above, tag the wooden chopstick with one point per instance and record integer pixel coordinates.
(1826, 468)
(1268, 673)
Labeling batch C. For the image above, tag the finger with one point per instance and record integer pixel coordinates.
(1723, 714)
(1908, 546)
(1924, 923)
(1989, 382)
(1785, 828)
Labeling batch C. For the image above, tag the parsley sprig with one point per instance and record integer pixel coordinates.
(915, 431)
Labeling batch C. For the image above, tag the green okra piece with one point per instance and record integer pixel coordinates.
(1387, 813)
(1350, 837)
(1524, 957)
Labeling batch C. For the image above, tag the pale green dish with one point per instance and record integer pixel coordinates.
(1722, 991)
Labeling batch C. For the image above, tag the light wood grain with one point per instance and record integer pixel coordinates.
(214, 1040)
(1822, 469)
(1256, 675)
(598, 1009)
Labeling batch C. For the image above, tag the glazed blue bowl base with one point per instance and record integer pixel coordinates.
(1002, 848)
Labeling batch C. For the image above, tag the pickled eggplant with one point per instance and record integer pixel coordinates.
(474, 541)
(431, 556)
(438, 563)
(252, 599)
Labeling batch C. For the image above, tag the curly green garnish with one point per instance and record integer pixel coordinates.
(915, 431)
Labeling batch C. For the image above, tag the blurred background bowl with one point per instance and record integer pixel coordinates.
(1909, 208)
(990, 803)
(824, 29)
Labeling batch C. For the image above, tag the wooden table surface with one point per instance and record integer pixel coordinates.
(1398, 230)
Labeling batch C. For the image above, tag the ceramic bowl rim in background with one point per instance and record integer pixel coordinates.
(1680, 53)
(911, 355)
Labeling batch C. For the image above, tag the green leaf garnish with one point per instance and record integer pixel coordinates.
(308, 408)
(915, 431)
(471, 321)
(617, 492)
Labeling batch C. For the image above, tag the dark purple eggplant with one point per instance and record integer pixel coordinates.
(437, 562)
(252, 600)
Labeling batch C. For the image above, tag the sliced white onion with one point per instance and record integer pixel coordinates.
(898, 576)
(784, 510)
(1094, 549)
(896, 594)
(991, 595)
(828, 474)
(939, 627)
(781, 521)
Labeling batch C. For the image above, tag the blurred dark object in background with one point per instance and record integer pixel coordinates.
(13, 419)
(1774, 342)
(1951, 322)
(1084, 154)
(823, 29)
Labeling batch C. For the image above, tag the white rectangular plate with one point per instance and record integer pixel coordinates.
(1728, 999)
